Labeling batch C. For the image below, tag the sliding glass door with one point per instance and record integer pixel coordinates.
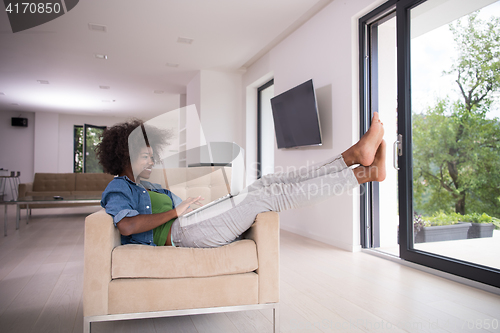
(447, 145)
(454, 63)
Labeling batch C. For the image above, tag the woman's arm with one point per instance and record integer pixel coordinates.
(145, 222)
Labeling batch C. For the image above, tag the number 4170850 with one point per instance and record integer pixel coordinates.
(31, 7)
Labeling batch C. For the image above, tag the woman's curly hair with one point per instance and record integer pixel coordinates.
(122, 143)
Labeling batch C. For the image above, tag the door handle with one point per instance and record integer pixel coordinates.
(398, 150)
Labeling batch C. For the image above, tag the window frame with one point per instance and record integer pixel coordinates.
(259, 121)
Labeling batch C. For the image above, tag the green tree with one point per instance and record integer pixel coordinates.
(456, 147)
(93, 137)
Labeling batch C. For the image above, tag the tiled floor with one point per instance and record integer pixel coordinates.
(322, 289)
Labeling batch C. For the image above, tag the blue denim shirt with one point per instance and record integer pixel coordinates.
(124, 198)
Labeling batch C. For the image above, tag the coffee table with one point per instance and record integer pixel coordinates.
(70, 199)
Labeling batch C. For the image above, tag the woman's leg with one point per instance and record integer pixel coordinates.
(331, 165)
(223, 223)
(363, 152)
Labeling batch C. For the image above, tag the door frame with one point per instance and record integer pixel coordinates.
(369, 192)
(473, 271)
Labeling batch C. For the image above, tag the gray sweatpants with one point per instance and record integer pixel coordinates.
(226, 221)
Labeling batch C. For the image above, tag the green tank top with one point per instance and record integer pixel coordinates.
(160, 203)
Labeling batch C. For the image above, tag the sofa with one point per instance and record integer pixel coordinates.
(127, 282)
(64, 185)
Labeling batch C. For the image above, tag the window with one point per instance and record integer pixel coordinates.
(86, 139)
(265, 130)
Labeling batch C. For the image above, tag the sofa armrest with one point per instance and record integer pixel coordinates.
(101, 237)
(265, 232)
(23, 189)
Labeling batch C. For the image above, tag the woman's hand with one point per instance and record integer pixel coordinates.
(184, 207)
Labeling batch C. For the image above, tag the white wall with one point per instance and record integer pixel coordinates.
(16, 145)
(65, 136)
(324, 49)
(193, 93)
(217, 96)
(54, 139)
(46, 145)
(218, 99)
(221, 106)
(46, 142)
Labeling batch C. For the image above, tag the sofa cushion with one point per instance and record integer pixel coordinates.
(52, 182)
(92, 181)
(143, 261)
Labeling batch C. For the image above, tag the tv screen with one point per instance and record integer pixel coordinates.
(296, 120)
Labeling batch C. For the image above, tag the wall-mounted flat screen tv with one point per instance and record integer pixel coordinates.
(296, 119)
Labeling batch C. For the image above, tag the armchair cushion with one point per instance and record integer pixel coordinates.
(143, 295)
(142, 261)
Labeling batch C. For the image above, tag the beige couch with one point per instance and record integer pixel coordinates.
(139, 281)
(64, 185)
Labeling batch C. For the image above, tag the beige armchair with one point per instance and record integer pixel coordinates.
(126, 282)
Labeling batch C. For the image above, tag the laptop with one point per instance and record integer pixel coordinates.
(234, 187)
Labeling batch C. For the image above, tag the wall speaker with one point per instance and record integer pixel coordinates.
(22, 122)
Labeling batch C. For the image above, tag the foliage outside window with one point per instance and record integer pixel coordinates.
(86, 139)
(456, 144)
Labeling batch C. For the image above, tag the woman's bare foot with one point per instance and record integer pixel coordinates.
(363, 152)
(378, 165)
(374, 172)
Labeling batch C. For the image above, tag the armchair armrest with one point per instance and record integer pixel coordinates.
(101, 237)
(23, 189)
(265, 233)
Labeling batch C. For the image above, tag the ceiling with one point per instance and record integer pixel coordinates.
(141, 38)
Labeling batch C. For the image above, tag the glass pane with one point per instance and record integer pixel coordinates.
(92, 137)
(267, 131)
(78, 149)
(384, 100)
(455, 81)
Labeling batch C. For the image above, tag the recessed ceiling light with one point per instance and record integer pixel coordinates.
(104, 87)
(42, 81)
(184, 40)
(168, 64)
(101, 56)
(97, 27)
(159, 92)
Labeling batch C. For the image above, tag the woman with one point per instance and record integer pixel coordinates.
(145, 213)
